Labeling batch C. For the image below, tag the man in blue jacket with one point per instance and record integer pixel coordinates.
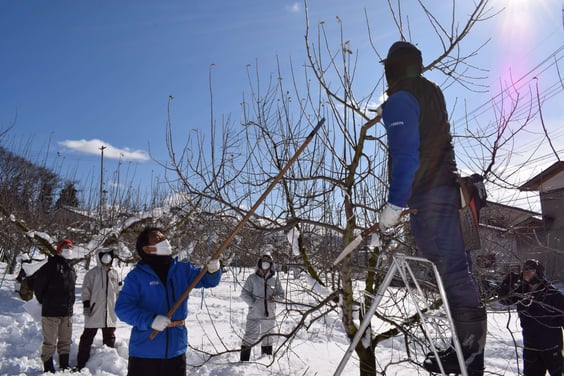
(150, 290)
(423, 176)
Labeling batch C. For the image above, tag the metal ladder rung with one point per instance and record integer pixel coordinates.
(436, 316)
(428, 316)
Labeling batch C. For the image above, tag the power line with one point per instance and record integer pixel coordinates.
(518, 85)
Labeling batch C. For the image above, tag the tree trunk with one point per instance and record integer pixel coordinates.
(367, 358)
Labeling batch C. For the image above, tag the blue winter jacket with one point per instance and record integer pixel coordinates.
(419, 140)
(401, 119)
(143, 296)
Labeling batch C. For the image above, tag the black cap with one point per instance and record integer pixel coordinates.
(533, 264)
(401, 48)
(404, 61)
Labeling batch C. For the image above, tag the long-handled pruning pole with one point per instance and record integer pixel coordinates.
(240, 225)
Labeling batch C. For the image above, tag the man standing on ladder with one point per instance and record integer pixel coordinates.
(423, 177)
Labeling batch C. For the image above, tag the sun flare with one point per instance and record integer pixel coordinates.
(518, 27)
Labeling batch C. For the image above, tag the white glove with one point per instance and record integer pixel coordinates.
(379, 110)
(160, 323)
(389, 217)
(213, 265)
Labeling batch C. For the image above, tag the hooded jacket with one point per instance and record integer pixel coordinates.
(259, 292)
(100, 289)
(53, 286)
(144, 296)
(540, 311)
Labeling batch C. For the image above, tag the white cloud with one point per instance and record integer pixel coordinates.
(294, 8)
(93, 147)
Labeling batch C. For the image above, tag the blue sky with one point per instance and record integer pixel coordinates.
(78, 75)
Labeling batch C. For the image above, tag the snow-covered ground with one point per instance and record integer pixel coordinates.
(215, 325)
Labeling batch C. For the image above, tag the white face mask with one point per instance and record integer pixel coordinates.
(66, 253)
(106, 259)
(265, 265)
(163, 248)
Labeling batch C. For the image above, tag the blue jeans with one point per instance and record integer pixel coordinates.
(438, 237)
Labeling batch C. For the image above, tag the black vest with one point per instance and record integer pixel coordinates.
(437, 165)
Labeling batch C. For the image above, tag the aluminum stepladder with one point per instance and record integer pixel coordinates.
(428, 317)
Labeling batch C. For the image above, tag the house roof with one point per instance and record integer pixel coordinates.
(508, 217)
(548, 180)
(497, 205)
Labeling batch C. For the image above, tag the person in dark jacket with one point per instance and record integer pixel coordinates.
(54, 286)
(540, 307)
(99, 293)
(149, 292)
(423, 177)
(259, 292)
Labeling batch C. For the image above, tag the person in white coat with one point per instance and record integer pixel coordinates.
(260, 292)
(99, 293)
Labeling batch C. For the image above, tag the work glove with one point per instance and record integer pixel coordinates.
(510, 283)
(389, 217)
(160, 322)
(213, 265)
(379, 110)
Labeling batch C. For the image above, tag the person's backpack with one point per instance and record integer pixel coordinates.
(26, 285)
(26, 276)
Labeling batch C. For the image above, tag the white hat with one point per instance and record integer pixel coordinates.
(266, 252)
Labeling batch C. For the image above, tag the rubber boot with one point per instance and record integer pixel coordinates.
(471, 329)
(48, 365)
(266, 350)
(64, 361)
(245, 353)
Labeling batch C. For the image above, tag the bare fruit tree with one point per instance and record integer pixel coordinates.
(338, 186)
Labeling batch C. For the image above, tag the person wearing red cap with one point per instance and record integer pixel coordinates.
(54, 286)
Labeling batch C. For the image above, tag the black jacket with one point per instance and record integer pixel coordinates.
(541, 311)
(54, 287)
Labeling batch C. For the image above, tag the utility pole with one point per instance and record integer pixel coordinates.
(101, 184)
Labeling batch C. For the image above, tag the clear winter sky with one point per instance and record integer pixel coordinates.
(78, 75)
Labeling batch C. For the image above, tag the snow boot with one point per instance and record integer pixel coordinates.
(448, 358)
(266, 350)
(64, 361)
(48, 365)
(245, 353)
(471, 329)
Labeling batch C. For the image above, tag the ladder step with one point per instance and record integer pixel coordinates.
(436, 315)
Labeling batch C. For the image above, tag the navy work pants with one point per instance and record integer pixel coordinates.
(438, 237)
